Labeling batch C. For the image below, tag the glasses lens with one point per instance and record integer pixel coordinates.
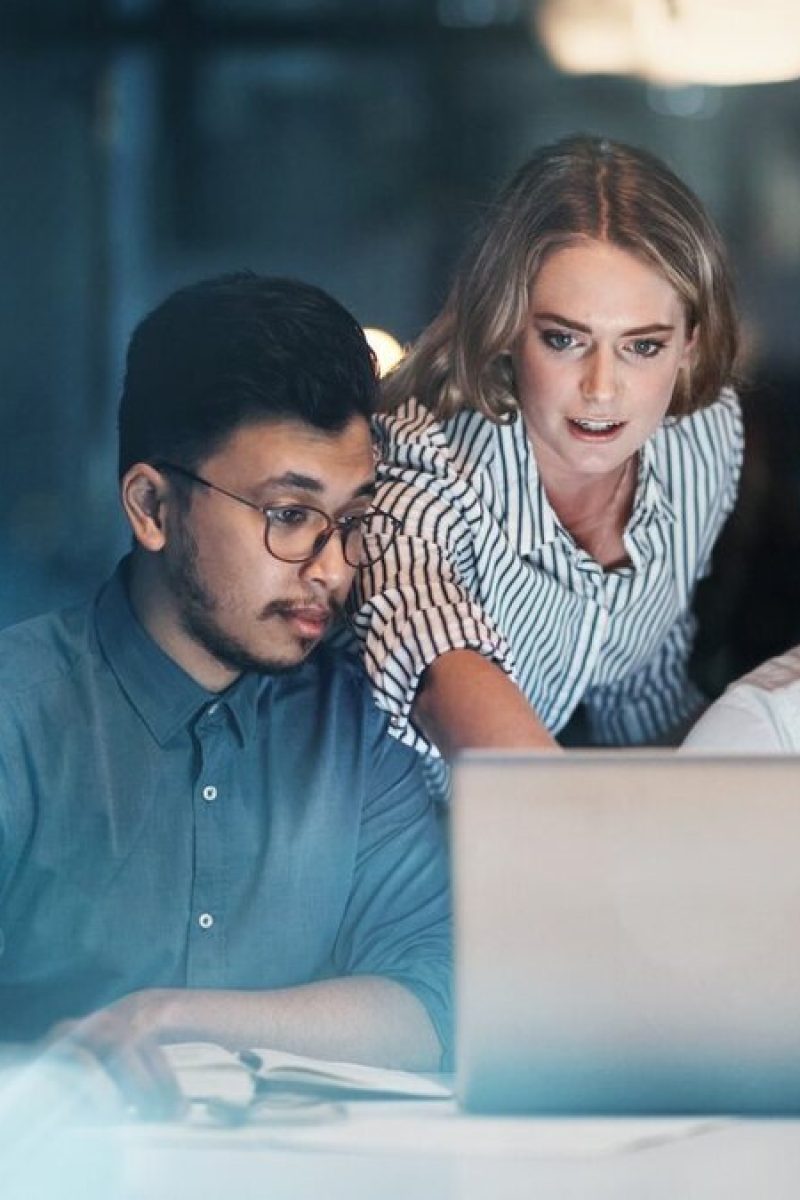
(296, 534)
(354, 545)
(367, 541)
(293, 532)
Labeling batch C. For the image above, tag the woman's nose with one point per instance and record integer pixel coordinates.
(599, 382)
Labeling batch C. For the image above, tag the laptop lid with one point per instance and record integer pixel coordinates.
(627, 933)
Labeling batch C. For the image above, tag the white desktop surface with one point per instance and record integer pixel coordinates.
(478, 1159)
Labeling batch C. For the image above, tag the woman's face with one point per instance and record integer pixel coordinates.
(596, 364)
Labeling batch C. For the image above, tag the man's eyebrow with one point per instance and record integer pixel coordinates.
(367, 490)
(638, 331)
(305, 483)
(309, 483)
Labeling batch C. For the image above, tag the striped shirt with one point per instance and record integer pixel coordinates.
(482, 562)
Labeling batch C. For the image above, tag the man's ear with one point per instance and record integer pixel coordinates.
(143, 491)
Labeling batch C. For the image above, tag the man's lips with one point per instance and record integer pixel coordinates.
(308, 620)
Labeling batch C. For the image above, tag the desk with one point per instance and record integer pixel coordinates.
(726, 1160)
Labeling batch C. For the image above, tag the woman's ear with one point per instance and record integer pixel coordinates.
(143, 492)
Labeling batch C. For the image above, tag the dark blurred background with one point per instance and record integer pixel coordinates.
(352, 143)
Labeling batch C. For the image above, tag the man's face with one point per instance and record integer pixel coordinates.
(235, 603)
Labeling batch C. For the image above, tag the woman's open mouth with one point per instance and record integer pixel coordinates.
(589, 430)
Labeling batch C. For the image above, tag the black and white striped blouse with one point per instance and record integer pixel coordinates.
(483, 563)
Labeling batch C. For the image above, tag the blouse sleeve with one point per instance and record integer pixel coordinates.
(421, 598)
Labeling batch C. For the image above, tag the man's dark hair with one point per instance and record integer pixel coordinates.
(237, 349)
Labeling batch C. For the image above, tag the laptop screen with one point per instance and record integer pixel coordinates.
(626, 933)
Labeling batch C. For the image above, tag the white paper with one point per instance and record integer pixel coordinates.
(207, 1071)
(279, 1065)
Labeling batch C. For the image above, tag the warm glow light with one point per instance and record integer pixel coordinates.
(718, 41)
(674, 42)
(588, 37)
(386, 348)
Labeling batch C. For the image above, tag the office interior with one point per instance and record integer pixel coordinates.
(355, 144)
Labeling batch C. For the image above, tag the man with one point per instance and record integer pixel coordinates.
(760, 713)
(205, 833)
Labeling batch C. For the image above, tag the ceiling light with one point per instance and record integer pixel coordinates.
(674, 42)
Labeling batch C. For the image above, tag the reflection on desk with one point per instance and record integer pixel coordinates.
(410, 1150)
(425, 1129)
(476, 1159)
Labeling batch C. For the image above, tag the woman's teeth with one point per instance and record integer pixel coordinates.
(595, 426)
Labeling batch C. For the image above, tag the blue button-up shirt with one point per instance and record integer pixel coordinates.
(153, 834)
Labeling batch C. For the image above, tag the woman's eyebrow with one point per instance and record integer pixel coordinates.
(560, 320)
(637, 331)
(642, 329)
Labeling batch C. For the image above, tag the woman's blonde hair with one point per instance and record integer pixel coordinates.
(580, 187)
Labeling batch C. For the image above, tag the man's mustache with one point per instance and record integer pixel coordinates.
(332, 609)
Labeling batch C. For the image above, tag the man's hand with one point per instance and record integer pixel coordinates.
(123, 1039)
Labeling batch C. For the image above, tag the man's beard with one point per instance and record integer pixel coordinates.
(196, 613)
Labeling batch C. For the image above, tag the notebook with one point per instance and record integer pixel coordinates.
(208, 1072)
(627, 932)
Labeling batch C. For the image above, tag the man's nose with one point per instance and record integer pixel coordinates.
(329, 566)
(599, 383)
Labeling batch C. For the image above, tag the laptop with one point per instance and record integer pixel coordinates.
(627, 930)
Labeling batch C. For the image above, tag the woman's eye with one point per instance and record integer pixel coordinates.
(646, 347)
(288, 517)
(557, 340)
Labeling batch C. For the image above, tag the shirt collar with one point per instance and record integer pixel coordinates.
(530, 519)
(652, 498)
(532, 523)
(166, 698)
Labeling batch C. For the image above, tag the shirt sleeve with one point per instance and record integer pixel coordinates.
(397, 920)
(740, 722)
(652, 704)
(5, 868)
(421, 598)
(16, 811)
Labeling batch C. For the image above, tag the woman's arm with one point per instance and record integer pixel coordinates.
(432, 643)
(467, 700)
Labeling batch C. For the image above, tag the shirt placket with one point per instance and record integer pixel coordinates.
(594, 622)
(206, 951)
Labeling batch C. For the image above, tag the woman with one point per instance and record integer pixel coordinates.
(561, 449)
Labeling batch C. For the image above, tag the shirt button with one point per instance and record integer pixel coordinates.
(205, 920)
(212, 708)
(209, 792)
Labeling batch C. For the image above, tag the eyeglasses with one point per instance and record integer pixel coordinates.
(297, 533)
